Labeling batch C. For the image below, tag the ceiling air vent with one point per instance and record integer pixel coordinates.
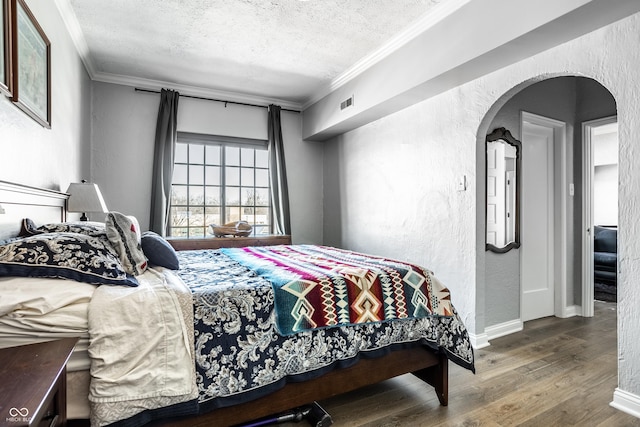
(346, 103)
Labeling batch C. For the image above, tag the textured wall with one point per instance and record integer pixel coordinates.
(50, 158)
(396, 193)
(123, 132)
(390, 189)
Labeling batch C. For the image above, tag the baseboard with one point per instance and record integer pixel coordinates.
(502, 329)
(626, 402)
(571, 311)
(479, 341)
(495, 331)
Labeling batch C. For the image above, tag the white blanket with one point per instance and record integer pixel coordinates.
(141, 347)
(37, 309)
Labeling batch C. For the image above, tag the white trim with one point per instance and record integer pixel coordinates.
(626, 402)
(192, 90)
(495, 331)
(73, 27)
(587, 212)
(559, 238)
(479, 341)
(502, 329)
(586, 235)
(571, 311)
(428, 20)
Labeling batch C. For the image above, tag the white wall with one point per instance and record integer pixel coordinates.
(605, 195)
(50, 158)
(390, 189)
(123, 132)
(392, 183)
(605, 180)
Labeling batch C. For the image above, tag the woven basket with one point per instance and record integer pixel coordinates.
(232, 229)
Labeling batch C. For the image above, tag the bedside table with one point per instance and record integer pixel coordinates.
(33, 383)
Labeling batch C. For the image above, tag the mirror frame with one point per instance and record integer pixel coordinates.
(505, 135)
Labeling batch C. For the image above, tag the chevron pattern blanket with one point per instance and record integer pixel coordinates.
(319, 287)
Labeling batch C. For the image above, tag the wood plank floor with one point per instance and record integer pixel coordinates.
(557, 372)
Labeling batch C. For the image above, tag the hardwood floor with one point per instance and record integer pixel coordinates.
(557, 372)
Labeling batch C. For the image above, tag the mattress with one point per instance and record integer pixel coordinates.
(37, 309)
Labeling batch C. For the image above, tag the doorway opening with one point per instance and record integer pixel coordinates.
(565, 102)
(600, 212)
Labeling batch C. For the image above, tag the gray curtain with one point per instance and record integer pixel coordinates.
(278, 174)
(166, 135)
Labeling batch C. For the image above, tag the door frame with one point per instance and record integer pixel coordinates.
(559, 214)
(587, 211)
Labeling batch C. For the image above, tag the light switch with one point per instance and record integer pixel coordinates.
(462, 183)
(572, 189)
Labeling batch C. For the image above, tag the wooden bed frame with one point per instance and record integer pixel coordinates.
(18, 201)
(21, 201)
(423, 363)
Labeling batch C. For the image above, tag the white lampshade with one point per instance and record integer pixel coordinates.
(85, 197)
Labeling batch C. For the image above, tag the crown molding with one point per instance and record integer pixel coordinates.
(435, 15)
(198, 91)
(73, 27)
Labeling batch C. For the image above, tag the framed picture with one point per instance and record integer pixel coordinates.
(5, 48)
(31, 61)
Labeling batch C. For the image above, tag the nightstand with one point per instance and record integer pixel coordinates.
(33, 383)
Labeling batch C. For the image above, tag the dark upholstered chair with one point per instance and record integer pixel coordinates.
(605, 255)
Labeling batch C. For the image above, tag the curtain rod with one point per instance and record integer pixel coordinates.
(216, 100)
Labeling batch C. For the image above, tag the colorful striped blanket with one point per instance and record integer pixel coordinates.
(319, 287)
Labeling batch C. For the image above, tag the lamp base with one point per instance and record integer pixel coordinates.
(84, 217)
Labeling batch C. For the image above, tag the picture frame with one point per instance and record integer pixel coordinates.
(6, 80)
(31, 63)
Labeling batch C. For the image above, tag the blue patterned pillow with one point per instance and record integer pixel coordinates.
(72, 256)
(83, 227)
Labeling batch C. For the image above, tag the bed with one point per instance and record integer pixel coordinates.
(220, 312)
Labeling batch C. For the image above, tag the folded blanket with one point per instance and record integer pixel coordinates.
(141, 347)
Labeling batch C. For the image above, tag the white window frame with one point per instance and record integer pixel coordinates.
(224, 206)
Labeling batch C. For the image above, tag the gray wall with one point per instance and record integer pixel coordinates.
(123, 132)
(50, 158)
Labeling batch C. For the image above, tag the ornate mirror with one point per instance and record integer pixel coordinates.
(502, 191)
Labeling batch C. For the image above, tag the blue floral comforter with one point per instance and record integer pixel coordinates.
(240, 355)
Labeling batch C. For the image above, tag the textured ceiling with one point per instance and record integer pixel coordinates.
(278, 49)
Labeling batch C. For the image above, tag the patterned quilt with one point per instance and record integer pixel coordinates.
(241, 355)
(318, 286)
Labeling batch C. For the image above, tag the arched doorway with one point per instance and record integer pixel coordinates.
(571, 100)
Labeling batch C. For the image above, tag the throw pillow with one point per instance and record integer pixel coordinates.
(72, 256)
(159, 251)
(122, 232)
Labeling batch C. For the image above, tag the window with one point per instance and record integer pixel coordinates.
(217, 180)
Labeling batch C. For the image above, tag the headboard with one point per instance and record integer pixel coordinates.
(20, 201)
